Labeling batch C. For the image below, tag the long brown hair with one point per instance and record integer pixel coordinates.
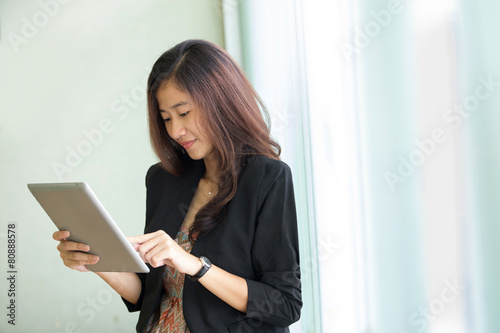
(230, 114)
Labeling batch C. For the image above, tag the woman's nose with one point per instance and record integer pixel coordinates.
(178, 129)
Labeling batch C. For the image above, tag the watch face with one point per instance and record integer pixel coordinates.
(206, 266)
(205, 261)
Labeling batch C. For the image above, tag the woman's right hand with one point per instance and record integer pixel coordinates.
(72, 252)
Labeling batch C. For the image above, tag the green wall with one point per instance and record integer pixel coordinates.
(72, 108)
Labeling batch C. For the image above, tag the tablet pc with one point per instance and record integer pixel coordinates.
(75, 207)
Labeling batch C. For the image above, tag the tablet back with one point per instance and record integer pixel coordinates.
(74, 207)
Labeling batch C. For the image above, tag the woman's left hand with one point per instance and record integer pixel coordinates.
(158, 249)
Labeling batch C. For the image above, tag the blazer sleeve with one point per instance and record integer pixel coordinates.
(274, 297)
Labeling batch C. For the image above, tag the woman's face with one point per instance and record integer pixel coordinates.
(182, 119)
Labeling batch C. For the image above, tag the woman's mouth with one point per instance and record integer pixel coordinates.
(187, 144)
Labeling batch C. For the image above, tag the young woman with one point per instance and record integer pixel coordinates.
(221, 231)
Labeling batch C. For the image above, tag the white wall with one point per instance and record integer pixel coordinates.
(67, 69)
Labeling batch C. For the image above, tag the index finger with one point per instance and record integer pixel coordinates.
(139, 239)
(142, 238)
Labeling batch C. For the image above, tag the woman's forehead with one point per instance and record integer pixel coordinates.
(171, 97)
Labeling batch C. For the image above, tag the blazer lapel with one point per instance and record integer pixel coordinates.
(175, 201)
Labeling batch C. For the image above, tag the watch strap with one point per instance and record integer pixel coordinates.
(206, 264)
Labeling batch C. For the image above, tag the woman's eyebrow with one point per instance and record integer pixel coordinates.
(181, 103)
(175, 106)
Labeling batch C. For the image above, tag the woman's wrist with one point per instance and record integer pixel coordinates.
(196, 267)
(206, 265)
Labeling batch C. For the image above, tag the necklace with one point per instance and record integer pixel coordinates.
(211, 190)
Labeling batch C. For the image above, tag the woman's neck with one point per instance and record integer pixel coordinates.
(210, 169)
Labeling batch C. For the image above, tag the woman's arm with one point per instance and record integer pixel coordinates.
(126, 284)
(228, 287)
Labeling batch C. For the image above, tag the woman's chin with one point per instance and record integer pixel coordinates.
(194, 156)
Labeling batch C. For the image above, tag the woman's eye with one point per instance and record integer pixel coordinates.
(166, 120)
(184, 114)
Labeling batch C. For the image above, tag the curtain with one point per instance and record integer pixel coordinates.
(385, 90)
(387, 112)
(480, 67)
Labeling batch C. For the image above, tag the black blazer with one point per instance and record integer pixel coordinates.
(257, 241)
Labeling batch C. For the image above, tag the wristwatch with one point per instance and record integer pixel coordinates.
(206, 266)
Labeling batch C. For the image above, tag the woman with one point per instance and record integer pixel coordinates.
(220, 207)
